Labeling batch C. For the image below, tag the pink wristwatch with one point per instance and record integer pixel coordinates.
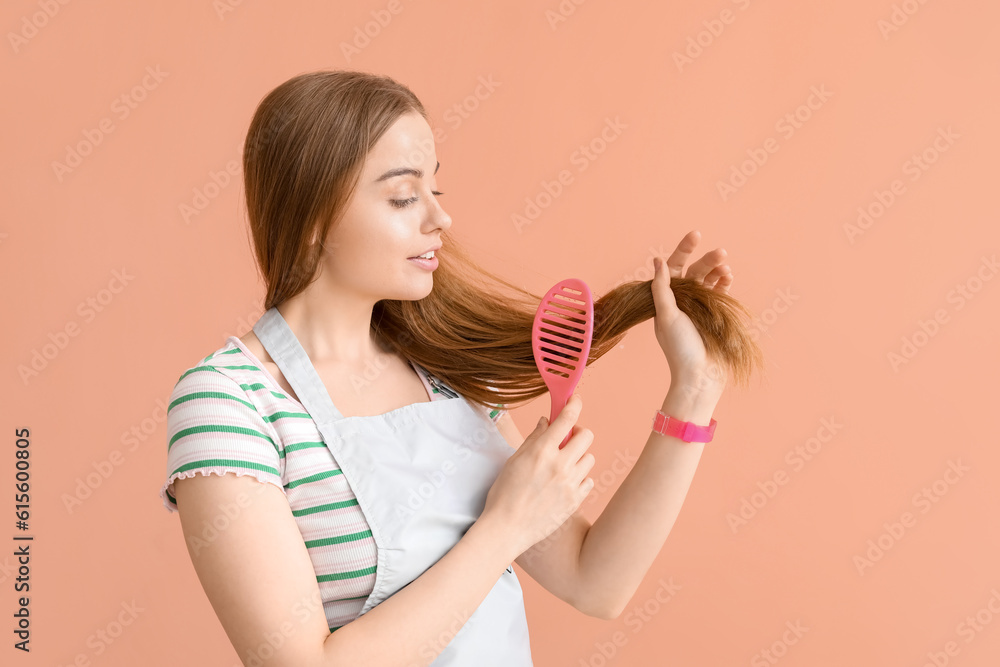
(686, 431)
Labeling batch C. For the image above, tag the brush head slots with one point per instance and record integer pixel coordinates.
(562, 331)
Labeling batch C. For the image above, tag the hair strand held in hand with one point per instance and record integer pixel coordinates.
(304, 151)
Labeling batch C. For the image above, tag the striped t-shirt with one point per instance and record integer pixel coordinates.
(228, 414)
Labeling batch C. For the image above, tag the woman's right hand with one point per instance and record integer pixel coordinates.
(541, 486)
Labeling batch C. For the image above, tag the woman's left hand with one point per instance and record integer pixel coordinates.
(675, 332)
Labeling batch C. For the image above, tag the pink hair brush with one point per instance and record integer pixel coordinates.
(560, 340)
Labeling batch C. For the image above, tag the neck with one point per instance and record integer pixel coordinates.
(333, 327)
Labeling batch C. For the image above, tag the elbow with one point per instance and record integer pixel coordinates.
(599, 609)
(605, 613)
(610, 614)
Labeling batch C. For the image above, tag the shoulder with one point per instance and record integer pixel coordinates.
(217, 394)
(227, 368)
(214, 425)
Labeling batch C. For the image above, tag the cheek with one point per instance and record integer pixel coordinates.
(372, 245)
(371, 260)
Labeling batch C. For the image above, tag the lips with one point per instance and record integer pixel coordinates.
(434, 248)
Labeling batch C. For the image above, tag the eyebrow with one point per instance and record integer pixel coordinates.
(404, 171)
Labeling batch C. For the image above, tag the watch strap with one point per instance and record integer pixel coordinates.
(686, 431)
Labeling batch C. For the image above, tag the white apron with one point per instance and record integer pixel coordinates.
(421, 474)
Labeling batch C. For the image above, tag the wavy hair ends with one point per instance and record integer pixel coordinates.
(304, 152)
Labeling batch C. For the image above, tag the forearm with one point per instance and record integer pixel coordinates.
(413, 626)
(625, 539)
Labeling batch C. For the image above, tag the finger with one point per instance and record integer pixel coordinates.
(725, 282)
(583, 467)
(712, 278)
(578, 444)
(708, 263)
(663, 296)
(563, 423)
(679, 257)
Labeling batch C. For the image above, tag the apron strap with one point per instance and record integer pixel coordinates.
(280, 342)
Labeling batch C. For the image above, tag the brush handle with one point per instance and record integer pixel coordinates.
(560, 396)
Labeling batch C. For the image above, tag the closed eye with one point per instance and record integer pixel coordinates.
(403, 203)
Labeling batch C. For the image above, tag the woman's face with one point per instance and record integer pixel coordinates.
(393, 215)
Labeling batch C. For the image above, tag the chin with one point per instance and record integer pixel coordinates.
(415, 291)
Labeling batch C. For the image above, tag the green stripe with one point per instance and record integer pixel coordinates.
(313, 478)
(235, 463)
(196, 369)
(209, 394)
(303, 445)
(352, 574)
(281, 415)
(220, 428)
(235, 350)
(338, 539)
(242, 367)
(326, 507)
(257, 386)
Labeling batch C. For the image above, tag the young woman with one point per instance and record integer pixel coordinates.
(379, 494)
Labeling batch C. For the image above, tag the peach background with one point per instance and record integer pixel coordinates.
(851, 303)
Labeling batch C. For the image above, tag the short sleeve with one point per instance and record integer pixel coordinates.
(496, 413)
(213, 428)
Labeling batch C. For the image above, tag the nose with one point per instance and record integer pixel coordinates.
(439, 216)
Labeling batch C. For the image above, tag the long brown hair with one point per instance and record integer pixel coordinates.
(302, 159)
